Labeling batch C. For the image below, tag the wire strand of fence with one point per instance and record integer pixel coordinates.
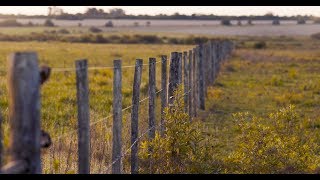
(136, 141)
(95, 67)
(128, 150)
(102, 119)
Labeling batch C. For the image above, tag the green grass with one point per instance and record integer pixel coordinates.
(255, 81)
(85, 30)
(58, 95)
(261, 82)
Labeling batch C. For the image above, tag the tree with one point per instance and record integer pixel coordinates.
(109, 24)
(117, 12)
(136, 24)
(95, 13)
(225, 22)
(276, 22)
(301, 21)
(48, 23)
(269, 15)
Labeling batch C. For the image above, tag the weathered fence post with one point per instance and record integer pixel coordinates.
(117, 118)
(135, 116)
(213, 56)
(197, 59)
(24, 113)
(180, 68)
(152, 96)
(218, 58)
(205, 67)
(173, 76)
(164, 93)
(83, 117)
(152, 103)
(201, 78)
(185, 80)
(194, 80)
(190, 87)
(210, 62)
(1, 146)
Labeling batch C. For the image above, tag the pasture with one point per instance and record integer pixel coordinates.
(173, 27)
(59, 110)
(257, 81)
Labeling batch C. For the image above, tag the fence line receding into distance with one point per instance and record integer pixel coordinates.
(195, 69)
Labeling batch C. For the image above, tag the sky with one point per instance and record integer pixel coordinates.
(152, 10)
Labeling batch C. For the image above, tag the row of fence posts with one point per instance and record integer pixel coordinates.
(200, 67)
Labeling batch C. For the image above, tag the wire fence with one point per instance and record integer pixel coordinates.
(62, 157)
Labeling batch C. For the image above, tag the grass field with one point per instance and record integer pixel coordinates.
(204, 27)
(258, 81)
(261, 82)
(59, 110)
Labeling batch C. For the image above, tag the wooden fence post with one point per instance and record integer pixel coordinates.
(173, 76)
(213, 56)
(201, 78)
(218, 51)
(24, 113)
(164, 93)
(1, 146)
(190, 87)
(83, 117)
(152, 103)
(135, 116)
(185, 81)
(205, 67)
(210, 62)
(117, 118)
(152, 96)
(180, 68)
(194, 80)
(197, 59)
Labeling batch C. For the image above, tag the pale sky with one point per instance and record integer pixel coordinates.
(152, 10)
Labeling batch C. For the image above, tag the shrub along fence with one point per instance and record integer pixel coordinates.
(195, 69)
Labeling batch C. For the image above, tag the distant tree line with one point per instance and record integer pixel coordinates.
(117, 13)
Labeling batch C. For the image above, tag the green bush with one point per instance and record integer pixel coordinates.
(109, 24)
(316, 21)
(94, 29)
(301, 21)
(316, 36)
(225, 22)
(30, 24)
(276, 81)
(148, 39)
(279, 143)
(60, 35)
(136, 24)
(173, 41)
(63, 31)
(10, 23)
(180, 149)
(100, 39)
(276, 22)
(260, 45)
(48, 23)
